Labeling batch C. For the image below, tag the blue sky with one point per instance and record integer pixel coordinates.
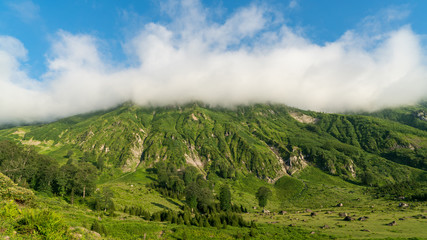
(59, 58)
(35, 23)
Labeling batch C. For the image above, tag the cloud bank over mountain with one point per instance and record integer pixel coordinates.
(250, 57)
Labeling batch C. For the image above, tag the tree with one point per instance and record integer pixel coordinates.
(179, 187)
(225, 198)
(107, 202)
(104, 201)
(204, 200)
(191, 193)
(196, 195)
(262, 195)
(368, 178)
(100, 164)
(47, 173)
(190, 174)
(85, 178)
(67, 180)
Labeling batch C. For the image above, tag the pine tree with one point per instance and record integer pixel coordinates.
(225, 198)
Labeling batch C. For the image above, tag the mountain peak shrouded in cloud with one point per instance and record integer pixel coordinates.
(240, 60)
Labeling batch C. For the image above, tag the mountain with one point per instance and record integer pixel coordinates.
(413, 115)
(268, 140)
(134, 172)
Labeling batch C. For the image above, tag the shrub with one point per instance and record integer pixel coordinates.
(42, 222)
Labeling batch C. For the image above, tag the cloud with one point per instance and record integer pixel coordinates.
(293, 4)
(385, 20)
(26, 10)
(238, 61)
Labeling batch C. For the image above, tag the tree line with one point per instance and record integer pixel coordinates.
(44, 174)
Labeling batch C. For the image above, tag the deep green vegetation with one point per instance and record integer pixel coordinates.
(414, 115)
(263, 194)
(43, 173)
(230, 142)
(196, 172)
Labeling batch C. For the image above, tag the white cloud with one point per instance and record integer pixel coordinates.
(195, 59)
(26, 10)
(293, 4)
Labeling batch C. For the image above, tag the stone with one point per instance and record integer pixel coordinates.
(392, 223)
(325, 227)
(342, 214)
(265, 211)
(403, 205)
(282, 212)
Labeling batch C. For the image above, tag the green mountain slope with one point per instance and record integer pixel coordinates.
(82, 165)
(268, 140)
(414, 115)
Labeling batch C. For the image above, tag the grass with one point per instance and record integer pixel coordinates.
(311, 188)
(131, 190)
(292, 194)
(376, 224)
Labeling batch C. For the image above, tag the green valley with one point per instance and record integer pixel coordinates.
(194, 171)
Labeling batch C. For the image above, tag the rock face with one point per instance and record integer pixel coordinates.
(303, 118)
(135, 154)
(296, 162)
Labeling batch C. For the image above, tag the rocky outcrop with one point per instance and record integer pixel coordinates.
(296, 161)
(135, 154)
(303, 118)
(421, 115)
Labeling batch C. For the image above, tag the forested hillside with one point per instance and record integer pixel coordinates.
(184, 170)
(267, 140)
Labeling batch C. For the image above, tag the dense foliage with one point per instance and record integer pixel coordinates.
(263, 194)
(43, 173)
(40, 224)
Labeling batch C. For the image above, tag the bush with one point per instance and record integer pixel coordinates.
(42, 222)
